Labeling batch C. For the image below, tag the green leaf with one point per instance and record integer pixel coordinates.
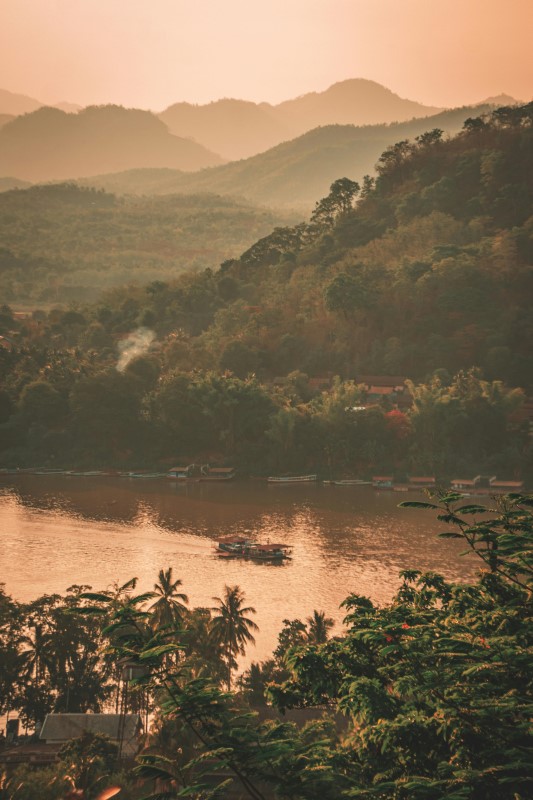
(450, 535)
(416, 504)
(161, 650)
(472, 509)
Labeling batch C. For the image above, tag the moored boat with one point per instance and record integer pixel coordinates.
(217, 473)
(349, 482)
(292, 479)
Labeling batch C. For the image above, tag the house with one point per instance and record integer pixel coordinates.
(383, 481)
(505, 487)
(122, 729)
(217, 473)
(465, 483)
(391, 386)
(181, 473)
(422, 482)
(383, 384)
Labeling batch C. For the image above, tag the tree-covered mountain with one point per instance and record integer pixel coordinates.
(295, 173)
(239, 129)
(49, 144)
(425, 273)
(61, 242)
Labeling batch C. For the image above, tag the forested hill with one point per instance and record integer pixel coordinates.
(294, 173)
(425, 272)
(49, 144)
(428, 266)
(61, 243)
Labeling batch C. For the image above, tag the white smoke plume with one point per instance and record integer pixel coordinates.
(137, 344)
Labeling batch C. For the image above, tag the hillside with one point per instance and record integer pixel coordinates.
(429, 266)
(62, 243)
(425, 273)
(15, 104)
(238, 129)
(5, 118)
(49, 144)
(295, 173)
(234, 128)
(351, 102)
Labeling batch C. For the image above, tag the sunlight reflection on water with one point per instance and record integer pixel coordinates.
(58, 531)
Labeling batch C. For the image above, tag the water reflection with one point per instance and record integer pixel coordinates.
(57, 531)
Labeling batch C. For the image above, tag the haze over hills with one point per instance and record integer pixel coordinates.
(295, 173)
(49, 144)
(234, 128)
(15, 104)
(238, 129)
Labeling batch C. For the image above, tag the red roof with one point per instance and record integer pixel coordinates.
(510, 484)
(382, 380)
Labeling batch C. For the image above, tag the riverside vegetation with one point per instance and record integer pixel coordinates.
(425, 271)
(434, 689)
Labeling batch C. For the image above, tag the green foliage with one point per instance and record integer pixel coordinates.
(435, 688)
(64, 242)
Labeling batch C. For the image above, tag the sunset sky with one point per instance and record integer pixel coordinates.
(151, 53)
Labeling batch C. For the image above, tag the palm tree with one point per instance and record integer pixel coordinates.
(168, 609)
(230, 628)
(318, 627)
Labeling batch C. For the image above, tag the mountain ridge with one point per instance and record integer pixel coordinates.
(238, 128)
(293, 173)
(50, 144)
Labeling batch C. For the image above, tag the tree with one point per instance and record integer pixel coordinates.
(318, 627)
(230, 627)
(170, 606)
(339, 201)
(41, 404)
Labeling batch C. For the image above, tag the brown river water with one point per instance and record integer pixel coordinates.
(58, 530)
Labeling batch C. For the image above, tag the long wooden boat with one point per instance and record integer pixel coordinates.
(349, 482)
(235, 545)
(217, 473)
(295, 479)
(242, 547)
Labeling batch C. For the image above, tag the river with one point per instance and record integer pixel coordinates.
(58, 531)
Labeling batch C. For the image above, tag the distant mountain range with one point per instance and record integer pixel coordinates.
(49, 144)
(295, 161)
(238, 129)
(295, 173)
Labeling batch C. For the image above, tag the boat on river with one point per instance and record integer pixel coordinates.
(348, 482)
(233, 544)
(242, 547)
(290, 480)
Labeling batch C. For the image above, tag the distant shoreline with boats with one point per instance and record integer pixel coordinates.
(477, 485)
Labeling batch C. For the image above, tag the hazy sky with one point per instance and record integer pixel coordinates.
(151, 53)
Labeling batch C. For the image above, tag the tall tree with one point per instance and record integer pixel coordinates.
(230, 627)
(170, 605)
(318, 627)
